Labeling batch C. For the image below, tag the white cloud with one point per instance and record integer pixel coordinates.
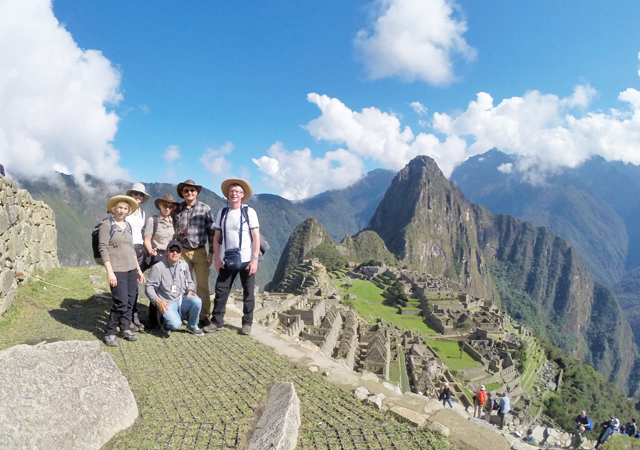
(172, 153)
(299, 175)
(419, 108)
(379, 136)
(214, 160)
(53, 96)
(542, 131)
(414, 39)
(505, 168)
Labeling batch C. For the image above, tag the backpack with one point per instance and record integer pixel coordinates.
(264, 244)
(95, 237)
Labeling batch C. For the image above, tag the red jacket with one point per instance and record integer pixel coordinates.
(481, 396)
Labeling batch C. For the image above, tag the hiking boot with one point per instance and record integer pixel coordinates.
(130, 336)
(137, 323)
(133, 327)
(204, 322)
(246, 330)
(111, 340)
(212, 327)
(196, 331)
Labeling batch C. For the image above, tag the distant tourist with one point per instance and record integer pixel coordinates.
(578, 438)
(236, 245)
(529, 437)
(505, 407)
(2, 170)
(158, 231)
(445, 396)
(630, 428)
(194, 229)
(481, 397)
(490, 405)
(583, 420)
(123, 270)
(608, 428)
(170, 288)
(136, 219)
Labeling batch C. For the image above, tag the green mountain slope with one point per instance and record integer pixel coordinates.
(429, 225)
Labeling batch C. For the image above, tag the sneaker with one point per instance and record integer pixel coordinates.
(111, 340)
(133, 327)
(130, 336)
(212, 327)
(196, 331)
(166, 330)
(246, 330)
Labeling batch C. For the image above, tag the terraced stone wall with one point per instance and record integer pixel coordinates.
(28, 239)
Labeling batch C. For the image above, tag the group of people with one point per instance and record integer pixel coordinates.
(175, 245)
(486, 400)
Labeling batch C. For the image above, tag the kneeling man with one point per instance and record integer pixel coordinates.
(171, 288)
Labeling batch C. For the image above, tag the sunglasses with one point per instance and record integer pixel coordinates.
(174, 250)
(137, 194)
(187, 190)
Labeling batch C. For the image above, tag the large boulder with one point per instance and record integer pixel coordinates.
(66, 394)
(278, 426)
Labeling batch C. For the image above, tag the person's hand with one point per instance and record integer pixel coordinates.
(209, 259)
(153, 252)
(113, 281)
(140, 276)
(190, 293)
(218, 265)
(162, 306)
(253, 266)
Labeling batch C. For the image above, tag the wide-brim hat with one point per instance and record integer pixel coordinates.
(113, 201)
(139, 187)
(166, 198)
(188, 183)
(482, 387)
(246, 187)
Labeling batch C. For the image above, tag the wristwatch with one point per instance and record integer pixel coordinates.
(255, 257)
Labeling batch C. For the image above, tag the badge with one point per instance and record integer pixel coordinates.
(174, 288)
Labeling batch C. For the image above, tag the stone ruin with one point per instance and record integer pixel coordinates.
(28, 239)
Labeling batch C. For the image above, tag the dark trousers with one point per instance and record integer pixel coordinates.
(501, 415)
(124, 295)
(223, 288)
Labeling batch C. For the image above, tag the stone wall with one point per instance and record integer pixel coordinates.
(28, 239)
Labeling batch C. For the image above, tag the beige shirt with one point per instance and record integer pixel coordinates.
(117, 249)
(163, 234)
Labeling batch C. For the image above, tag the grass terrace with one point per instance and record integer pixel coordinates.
(199, 392)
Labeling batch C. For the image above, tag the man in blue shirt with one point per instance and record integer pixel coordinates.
(505, 407)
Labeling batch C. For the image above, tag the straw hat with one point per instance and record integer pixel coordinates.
(188, 183)
(139, 187)
(246, 187)
(166, 198)
(113, 201)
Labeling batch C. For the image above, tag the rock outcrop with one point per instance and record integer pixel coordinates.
(28, 239)
(67, 394)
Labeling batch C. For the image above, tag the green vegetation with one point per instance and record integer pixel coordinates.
(492, 386)
(449, 351)
(329, 256)
(234, 371)
(584, 389)
(404, 378)
(621, 442)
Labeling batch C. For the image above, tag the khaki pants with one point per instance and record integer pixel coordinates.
(197, 260)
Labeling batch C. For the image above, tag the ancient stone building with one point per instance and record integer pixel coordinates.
(28, 239)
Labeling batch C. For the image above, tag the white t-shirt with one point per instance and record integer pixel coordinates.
(232, 219)
(136, 220)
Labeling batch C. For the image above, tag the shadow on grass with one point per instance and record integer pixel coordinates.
(90, 314)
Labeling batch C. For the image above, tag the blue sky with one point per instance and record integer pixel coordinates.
(221, 84)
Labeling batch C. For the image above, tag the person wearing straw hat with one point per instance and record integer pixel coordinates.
(123, 270)
(236, 247)
(137, 220)
(194, 228)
